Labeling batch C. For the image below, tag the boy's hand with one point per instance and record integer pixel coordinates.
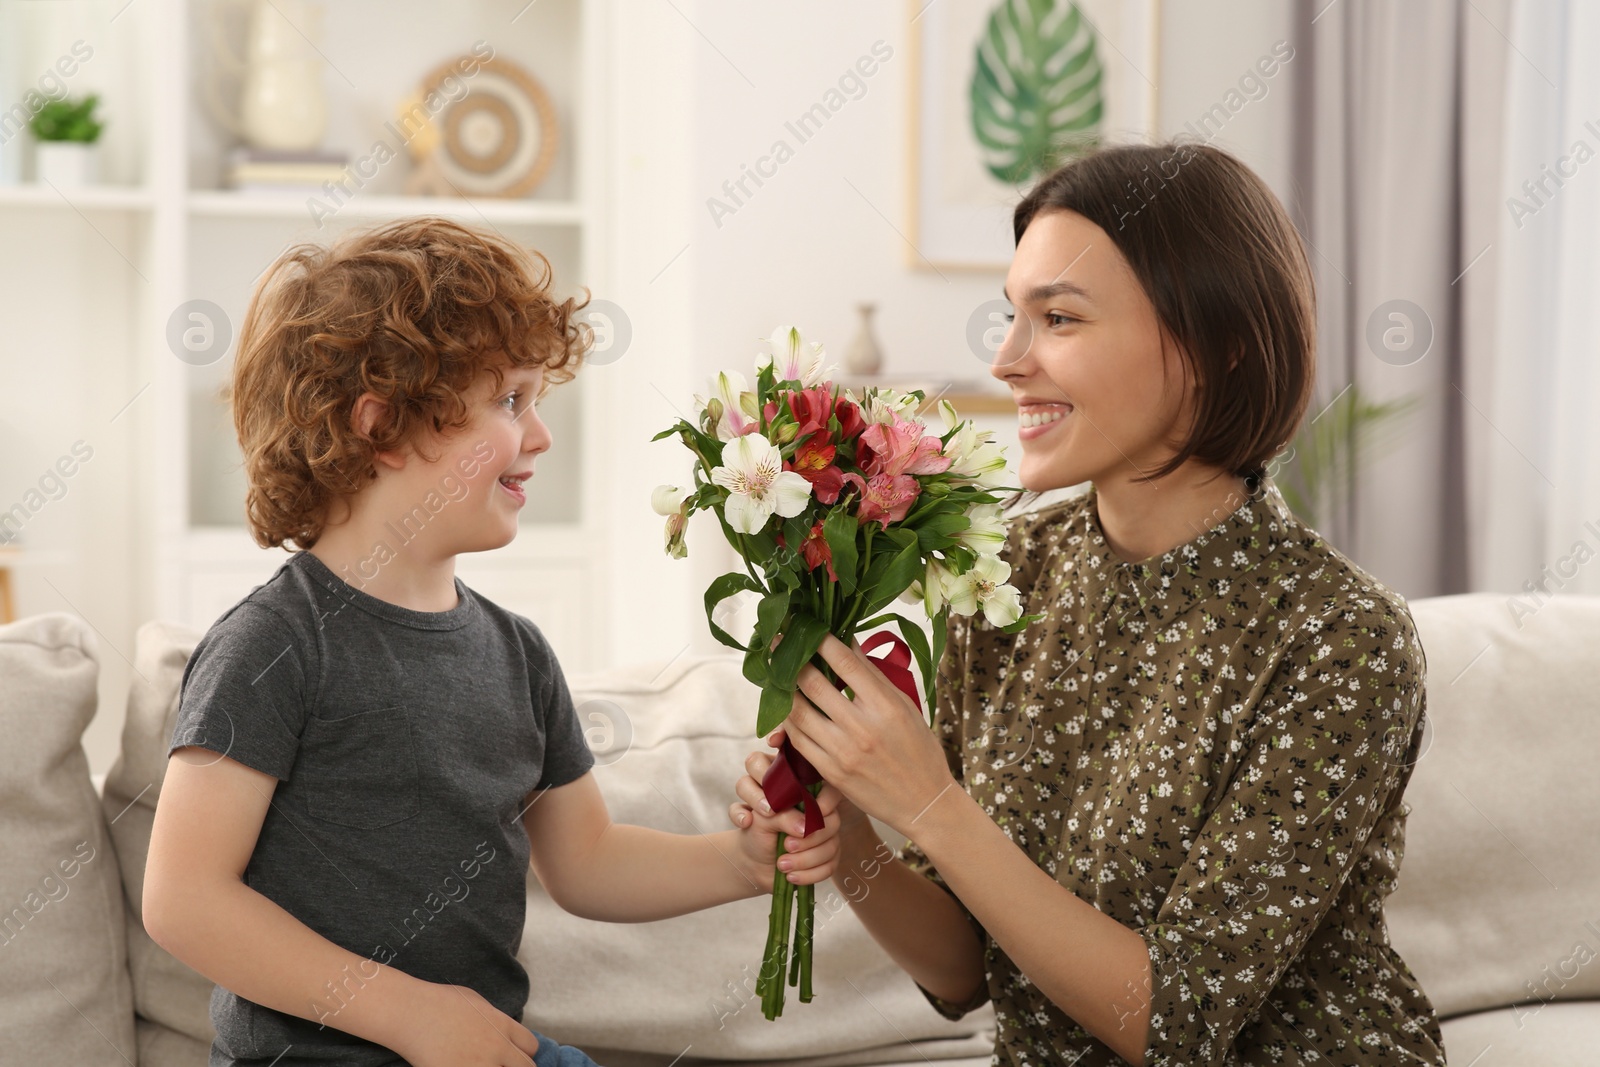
(806, 860)
(456, 1026)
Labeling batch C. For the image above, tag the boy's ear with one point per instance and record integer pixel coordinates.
(368, 411)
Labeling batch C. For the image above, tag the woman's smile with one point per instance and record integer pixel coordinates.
(1036, 420)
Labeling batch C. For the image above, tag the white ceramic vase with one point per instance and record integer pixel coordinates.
(281, 104)
(864, 357)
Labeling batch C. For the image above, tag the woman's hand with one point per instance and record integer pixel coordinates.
(877, 749)
(807, 859)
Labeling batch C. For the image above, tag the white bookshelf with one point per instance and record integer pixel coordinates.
(176, 236)
(95, 198)
(488, 210)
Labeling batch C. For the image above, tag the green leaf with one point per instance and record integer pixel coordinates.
(1036, 89)
(839, 530)
(720, 590)
(757, 667)
(801, 639)
(795, 529)
(774, 708)
(705, 447)
(1021, 624)
(903, 568)
(941, 630)
(918, 641)
(67, 120)
(937, 532)
(769, 619)
(800, 642)
(1316, 473)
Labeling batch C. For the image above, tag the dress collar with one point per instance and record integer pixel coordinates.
(1212, 565)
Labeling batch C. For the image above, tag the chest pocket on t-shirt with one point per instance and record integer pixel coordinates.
(360, 770)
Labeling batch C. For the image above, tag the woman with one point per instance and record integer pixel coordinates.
(1158, 825)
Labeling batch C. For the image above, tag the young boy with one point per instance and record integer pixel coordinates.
(368, 753)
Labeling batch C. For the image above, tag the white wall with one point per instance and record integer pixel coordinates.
(683, 119)
(829, 228)
(70, 283)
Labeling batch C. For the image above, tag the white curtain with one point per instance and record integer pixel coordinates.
(1383, 142)
(1535, 444)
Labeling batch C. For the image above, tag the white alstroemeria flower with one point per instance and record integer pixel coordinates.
(973, 455)
(752, 472)
(984, 586)
(929, 590)
(888, 405)
(793, 360)
(934, 586)
(987, 532)
(672, 502)
(729, 388)
(668, 499)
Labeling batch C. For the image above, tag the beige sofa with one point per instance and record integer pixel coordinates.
(1498, 910)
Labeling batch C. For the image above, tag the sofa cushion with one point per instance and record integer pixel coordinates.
(1496, 900)
(1532, 1035)
(624, 992)
(168, 995)
(65, 994)
(670, 741)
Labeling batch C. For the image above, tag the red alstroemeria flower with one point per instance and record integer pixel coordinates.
(899, 448)
(850, 421)
(816, 551)
(885, 498)
(811, 408)
(813, 461)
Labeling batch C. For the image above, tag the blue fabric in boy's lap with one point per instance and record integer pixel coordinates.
(553, 1054)
(406, 744)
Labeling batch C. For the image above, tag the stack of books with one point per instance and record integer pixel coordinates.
(259, 170)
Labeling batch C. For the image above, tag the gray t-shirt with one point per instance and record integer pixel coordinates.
(405, 743)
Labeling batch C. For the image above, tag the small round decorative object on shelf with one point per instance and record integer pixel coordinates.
(497, 139)
(864, 357)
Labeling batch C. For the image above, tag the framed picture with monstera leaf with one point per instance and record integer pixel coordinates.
(1002, 92)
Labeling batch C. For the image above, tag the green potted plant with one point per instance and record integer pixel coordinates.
(1317, 471)
(66, 131)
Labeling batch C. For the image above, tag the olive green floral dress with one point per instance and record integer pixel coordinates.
(1209, 746)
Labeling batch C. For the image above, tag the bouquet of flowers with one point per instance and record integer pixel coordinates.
(838, 505)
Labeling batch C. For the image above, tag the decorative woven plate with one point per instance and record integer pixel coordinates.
(500, 138)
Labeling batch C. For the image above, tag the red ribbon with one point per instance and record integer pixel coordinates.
(785, 782)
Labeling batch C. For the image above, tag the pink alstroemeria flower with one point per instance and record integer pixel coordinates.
(899, 448)
(885, 498)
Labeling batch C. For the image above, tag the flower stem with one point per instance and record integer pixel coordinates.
(769, 983)
(808, 916)
(783, 939)
(799, 935)
(744, 557)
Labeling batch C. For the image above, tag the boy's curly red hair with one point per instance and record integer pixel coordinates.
(414, 311)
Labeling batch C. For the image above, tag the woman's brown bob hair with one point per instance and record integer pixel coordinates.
(414, 311)
(1229, 277)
